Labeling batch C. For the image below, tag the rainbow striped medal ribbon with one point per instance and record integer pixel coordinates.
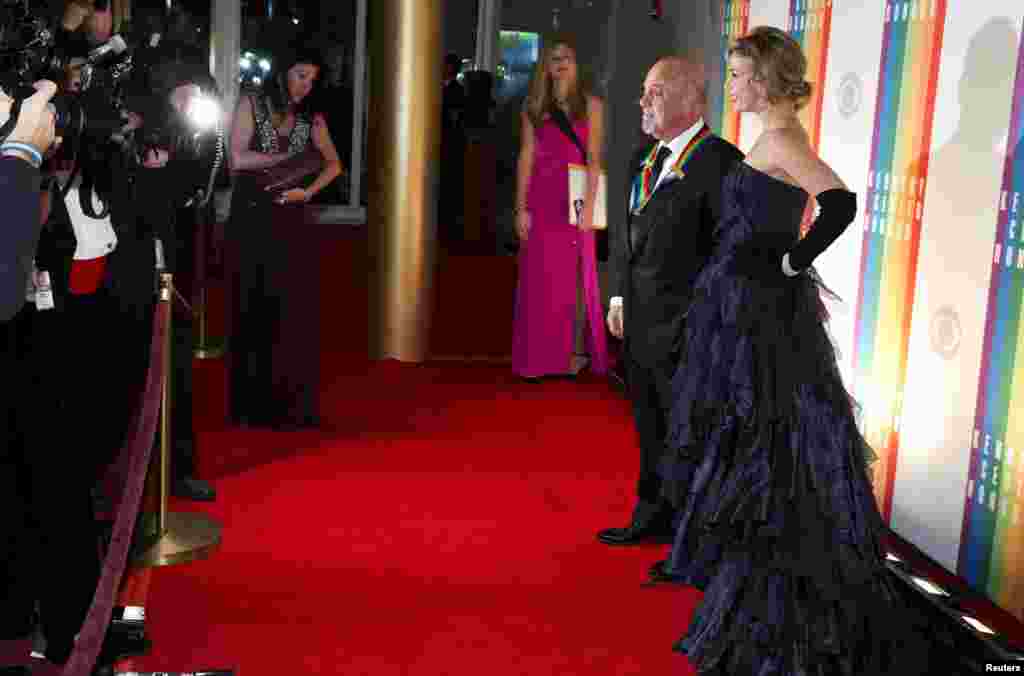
(645, 183)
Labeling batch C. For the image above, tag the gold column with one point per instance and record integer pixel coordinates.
(404, 148)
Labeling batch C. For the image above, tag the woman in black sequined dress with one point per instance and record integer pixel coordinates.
(275, 346)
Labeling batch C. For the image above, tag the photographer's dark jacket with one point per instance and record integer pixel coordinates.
(19, 197)
(140, 211)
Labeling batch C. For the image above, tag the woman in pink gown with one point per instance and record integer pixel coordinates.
(558, 327)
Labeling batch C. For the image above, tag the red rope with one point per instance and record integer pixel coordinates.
(130, 468)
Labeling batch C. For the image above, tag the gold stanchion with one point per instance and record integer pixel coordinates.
(179, 537)
(205, 347)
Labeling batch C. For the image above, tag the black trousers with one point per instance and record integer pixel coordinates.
(73, 379)
(17, 551)
(182, 355)
(650, 389)
(182, 429)
(183, 262)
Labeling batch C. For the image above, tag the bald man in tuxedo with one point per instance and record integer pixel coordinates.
(674, 201)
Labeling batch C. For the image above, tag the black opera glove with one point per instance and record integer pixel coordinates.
(838, 208)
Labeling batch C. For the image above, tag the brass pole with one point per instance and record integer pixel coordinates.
(202, 316)
(180, 537)
(404, 139)
(225, 46)
(166, 296)
(204, 348)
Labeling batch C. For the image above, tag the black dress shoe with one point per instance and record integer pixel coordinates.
(635, 534)
(658, 574)
(193, 489)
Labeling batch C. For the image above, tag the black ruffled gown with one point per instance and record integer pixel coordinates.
(779, 525)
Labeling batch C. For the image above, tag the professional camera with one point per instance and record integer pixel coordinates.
(33, 46)
(132, 74)
(26, 41)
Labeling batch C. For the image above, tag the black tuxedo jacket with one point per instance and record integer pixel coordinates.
(655, 278)
(19, 194)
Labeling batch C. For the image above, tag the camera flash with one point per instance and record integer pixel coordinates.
(203, 112)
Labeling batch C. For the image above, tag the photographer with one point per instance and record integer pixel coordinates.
(27, 135)
(145, 173)
(81, 348)
(143, 177)
(179, 78)
(151, 219)
(75, 392)
(31, 134)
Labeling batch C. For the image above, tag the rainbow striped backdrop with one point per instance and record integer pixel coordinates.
(992, 542)
(735, 20)
(810, 24)
(907, 79)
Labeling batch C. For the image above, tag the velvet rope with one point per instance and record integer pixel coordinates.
(128, 476)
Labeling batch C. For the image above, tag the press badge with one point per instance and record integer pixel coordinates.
(44, 292)
(160, 263)
(30, 285)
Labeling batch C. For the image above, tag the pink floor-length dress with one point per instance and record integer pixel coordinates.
(543, 331)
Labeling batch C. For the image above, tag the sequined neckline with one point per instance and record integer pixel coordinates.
(267, 135)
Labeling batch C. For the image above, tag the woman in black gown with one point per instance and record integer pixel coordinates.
(275, 330)
(780, 524)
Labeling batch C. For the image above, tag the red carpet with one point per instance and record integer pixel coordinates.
(443, 524)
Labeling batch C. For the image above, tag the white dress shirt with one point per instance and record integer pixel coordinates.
(677, 146)
(95, 236)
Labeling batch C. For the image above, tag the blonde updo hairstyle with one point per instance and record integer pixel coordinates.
(778, 62)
